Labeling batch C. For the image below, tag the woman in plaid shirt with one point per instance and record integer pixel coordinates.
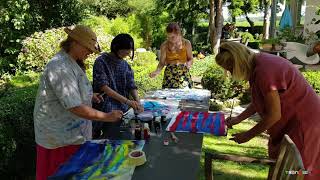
(114, 77)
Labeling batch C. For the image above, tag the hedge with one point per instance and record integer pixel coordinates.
(17, 151)
(221, 87)
(313, 77)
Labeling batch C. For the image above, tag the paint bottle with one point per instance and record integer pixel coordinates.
(146, 132)
(163, 119)
(157, 125)
(137, 132)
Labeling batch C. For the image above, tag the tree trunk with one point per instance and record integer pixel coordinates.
(299, 12)
(266, 20)
(234, 20)
(148, 37)
(215, 24)
(193, 33)
(293, 8)
(249, 21)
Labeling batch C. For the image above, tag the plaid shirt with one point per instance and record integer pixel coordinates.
(117, 75)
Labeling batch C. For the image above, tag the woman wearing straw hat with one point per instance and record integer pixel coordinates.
(285, 101)
(62, 111)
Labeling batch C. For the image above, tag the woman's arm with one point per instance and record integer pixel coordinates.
(134, 94)
(189, 54)
(113, 94)
(162, 61)
(272, 115)
(249, 111)
(89, 113)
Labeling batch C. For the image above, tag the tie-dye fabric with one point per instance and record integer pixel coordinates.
(198, 122)
(180, 94)
(100, 159)
(153, 108)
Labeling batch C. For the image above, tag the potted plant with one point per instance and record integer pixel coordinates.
(228, 30)
(272, 44)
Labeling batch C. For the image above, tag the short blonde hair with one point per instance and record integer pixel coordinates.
(239, 56)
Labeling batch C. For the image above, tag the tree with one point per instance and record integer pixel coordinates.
(109, 8)
(243, 7)
(144, 9)
(185, 12)
(15, 22)
(265, 4)
(215, 24)
(20, 18)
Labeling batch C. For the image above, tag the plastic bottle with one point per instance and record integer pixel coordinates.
(146, 132)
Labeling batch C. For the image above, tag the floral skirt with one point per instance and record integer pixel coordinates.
(176, 76)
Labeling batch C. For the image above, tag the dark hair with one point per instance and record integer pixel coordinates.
(66, 44)
(122, 41)
(173, 27)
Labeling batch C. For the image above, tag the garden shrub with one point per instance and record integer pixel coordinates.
(201, 65)
(221, 87)
(17, 143)
(113, 27)
(245, 36)
(143, 64)
(313, 78)
(40, 47)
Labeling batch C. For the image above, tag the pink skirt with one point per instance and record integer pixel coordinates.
(49, 160)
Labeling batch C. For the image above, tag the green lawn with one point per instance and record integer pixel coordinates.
(257, 147)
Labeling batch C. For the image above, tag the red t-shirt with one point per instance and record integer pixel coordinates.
(300, 105)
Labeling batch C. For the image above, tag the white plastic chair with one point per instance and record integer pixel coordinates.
(299, 51)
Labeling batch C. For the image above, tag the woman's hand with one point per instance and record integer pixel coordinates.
(114, 116)
(188, 64)
(135, 105)
(230, 121)
(240, 137)
(154, 74)
(140, 108)
(97, 98)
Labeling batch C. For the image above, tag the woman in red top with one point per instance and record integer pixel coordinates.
(285, 101)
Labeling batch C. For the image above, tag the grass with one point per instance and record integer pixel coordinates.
(224, 170)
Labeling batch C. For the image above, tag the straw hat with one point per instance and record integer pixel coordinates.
(85, 36)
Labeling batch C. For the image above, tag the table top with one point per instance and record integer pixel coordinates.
(179, 160)
(175, 161)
